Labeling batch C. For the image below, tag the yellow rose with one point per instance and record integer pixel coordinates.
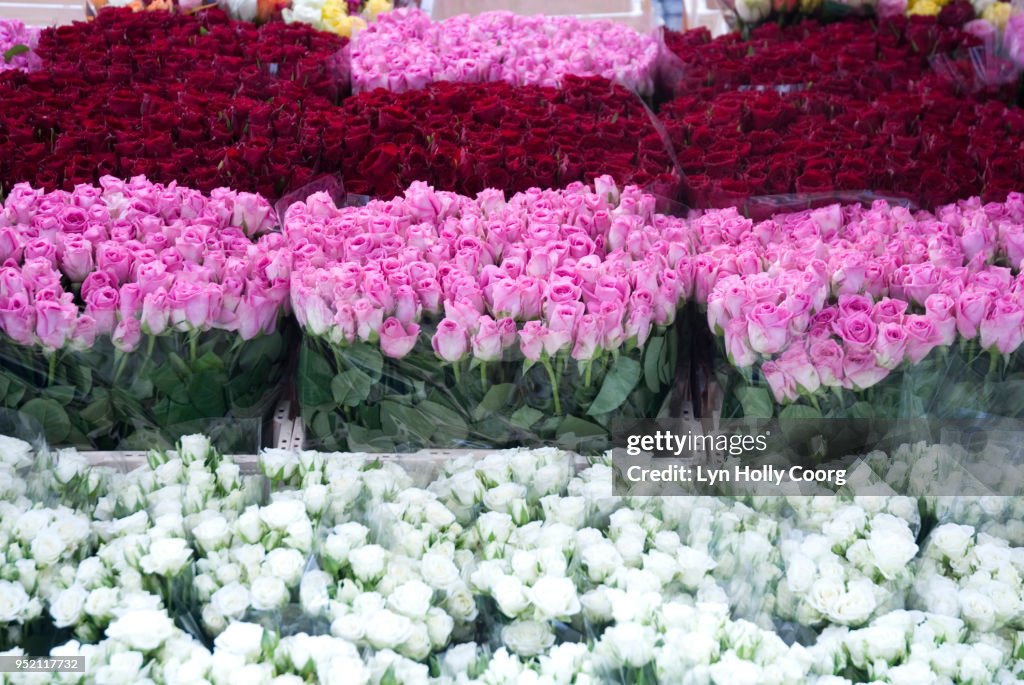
(924, 8)
(375, 7)
(809, 6)
(998, 14)
(344, 25)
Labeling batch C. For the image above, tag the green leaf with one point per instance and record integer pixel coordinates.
(363, 357)
(322, 424)
(400, 419)
(350, 388)
(203, 30)
(574, 427)
(449, 426)
(619, 382)
(165, 379)
(62, 393)
(494, 401)
(525, 416)
(756, 402)
(97, 411)
(51, 417)
(84, 379)
(314, 379)
(207, 396)
(15, 50)
(5, 386)
(861, 410)
(365, 440)
(795, 412)
(652, 363)
(263, 348)
(15, 393)
(209, 362)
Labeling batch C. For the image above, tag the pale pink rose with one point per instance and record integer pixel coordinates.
(114, 259)
(922, 337)
(888, 310)
(486, 340)
(737, 344)
(638, 324)
(1013, 244)
(861, 370)
(76, 257)
(795, 363)
(564, 317)
(971, 308)
(55, 321)
(102, 305)
(506, 298)
(768, 328)
(507, 330)
(941, 309)
(156, 312)
(258, 313)
(84, 334)
(450, 341)
(857, 331)
(1002, 326)
(18, 318)
(397, 340)
(890, 344)
(407, 304)
(369, 319)
(588, 338)
(799, 304)
(854, 304)
(531, 340)
(252, 213)
(429, 292)
(827, 357)
(782, 385)
(127, 335)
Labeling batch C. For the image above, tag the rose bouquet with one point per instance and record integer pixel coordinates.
(202, 101)
(465, 137)
(342, 17)
(405, 50)
(137, 309)
(17, 46)
(436, 319)
(850, 313)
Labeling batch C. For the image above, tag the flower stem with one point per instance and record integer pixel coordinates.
(483, 375)
(53, 369)
(554, 385)
(458, 374)
(587, 374)
(193, 346)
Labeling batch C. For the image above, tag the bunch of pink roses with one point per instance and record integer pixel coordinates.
(843, 297)
(406, 50)
(577, 282)
(17, 46)
(127, 280)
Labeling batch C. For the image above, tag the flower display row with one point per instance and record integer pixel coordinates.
(213, 103)
(513, 567)
(17, 46)
(135, 310)
(858, 312)
(438, 319)
(406, 50)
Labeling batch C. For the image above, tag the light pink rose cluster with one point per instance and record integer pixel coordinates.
(132, 258)
(405, 50)
(575, 272)
(842, 296)
(13, 34)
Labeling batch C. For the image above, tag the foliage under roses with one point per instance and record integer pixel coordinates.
(405, 50)
(512, 567)
(829, 301)
(136, 306)
(202, 101)
(467, 137)
(547, 314)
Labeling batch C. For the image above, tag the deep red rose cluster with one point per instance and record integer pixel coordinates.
(855, 57)
(930, 146)
(203, 101)
(465, 137)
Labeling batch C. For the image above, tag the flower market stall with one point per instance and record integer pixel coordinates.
(346, 343)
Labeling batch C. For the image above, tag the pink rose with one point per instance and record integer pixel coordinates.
(531, 340)
(84, 334)
(922, 337)
(782, 385)
(190, 306)
(114, 259)
(857, 331)
(971, 308)
(407, 304)
(1001, 328)
(450, 341)
(10, 245)
(76, 257)
(369, 319)
(487, 340)
(55, 322)
(888, 310)
(396, 340)
(737, 344)
(101, 305)
(768, 328)
(429, 292)
(506, 299)
(795, 363)
(941, 309)
(127, 335)
(827, 357)
(890, 345)
(564, 317)
(588, 338)
(861, 370)
(252, 213)
(638, 324)
(156, 312)
(18, 318)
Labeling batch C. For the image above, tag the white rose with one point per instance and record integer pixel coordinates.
(228, 475)
(913, 673)
(501, 497)
(346, 670)
(800, 572)
(17, 453)
(494, 526)
(510, 595)
(166, 557)
(242, 639)
(314, 592)
(213, 533)
(694, 564)
(47, 548)
(467, 488)
(315, 498)
(977, 610)
(368, 562)
(438, 515)
(554, 598)
(368, 603)
(951, 540)
(854, 606)
(101, 602)
(892, 551)
(631, 644)
(66, 609)
(193, 447)
(601, 560)
(143, 629)
(169, 472)
(286, 564)
(228, 573)
(248, 526)
(630, 545)
(282, 513)
(411, 599)
(249, 556)
(351, 627)
(213, 621)
(231, 601)
(417, 646)
(752, 11)
(121, 668)
(439, 627)
(70, 465)
(528, 638)
(387, 630)
(438, 570)
(268, 592)
(299, 535)
(461, 604)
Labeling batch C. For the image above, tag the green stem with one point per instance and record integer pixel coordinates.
(554, 386)
(587, 374)
(193, 346)
(51, 374)
(458, 374)
(483, 375)
(993, 360)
